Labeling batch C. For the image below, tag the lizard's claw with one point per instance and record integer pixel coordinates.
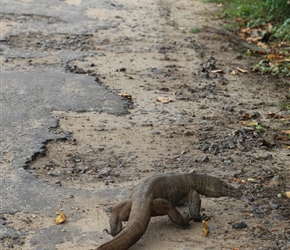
(205, 217)
(200, 218)
(107, 231)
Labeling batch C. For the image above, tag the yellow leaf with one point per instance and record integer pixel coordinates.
(251, 180)
(205, 228)
(287, 132)
(61, 218)
(287, 194)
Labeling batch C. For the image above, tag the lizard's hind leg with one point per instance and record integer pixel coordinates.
(161, 207)
(119, 213)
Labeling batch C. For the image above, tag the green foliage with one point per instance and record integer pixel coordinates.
(282, 32)
(195, 30)
(278, 10)
(272, 16)
(260, 12)
(269, 66)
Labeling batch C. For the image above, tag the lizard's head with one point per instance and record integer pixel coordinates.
(230, 191)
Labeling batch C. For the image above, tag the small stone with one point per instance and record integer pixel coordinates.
(240, 146)
(213, 227)
(231, 145)
(205, 159)
(278, 216)
(239, 225)
(230, 108)
(255, 115)
(214, 148)
(2, 222)
(100, 129)
(273, 205)
(276, 180)
(203, 106)
(58, 182)
(15, 236)
(188, 133)
(104, 172)
(204, 148)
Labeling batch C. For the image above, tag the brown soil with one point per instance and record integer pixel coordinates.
(149, 55)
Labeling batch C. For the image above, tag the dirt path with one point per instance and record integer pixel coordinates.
(151, 56)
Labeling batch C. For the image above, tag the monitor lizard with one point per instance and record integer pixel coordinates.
(159, 195)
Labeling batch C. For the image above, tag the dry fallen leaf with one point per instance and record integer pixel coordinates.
(217, 71)
(205, 228)
(163, 99)
(262, 45)
(128, 96)
(243, 70)
(287, 194)
(61, 218)
(271, 114)
(246, 116)
(287, 132)
(249, 123)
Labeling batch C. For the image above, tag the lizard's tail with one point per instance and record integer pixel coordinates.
(133, 231)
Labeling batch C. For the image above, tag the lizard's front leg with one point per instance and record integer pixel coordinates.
(194, 203)
(160, 207)
(119, 213)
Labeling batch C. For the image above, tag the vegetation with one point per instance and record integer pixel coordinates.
(265, 23)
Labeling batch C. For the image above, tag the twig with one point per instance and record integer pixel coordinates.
(251, 203)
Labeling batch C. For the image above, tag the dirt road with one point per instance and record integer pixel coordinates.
(187, 96)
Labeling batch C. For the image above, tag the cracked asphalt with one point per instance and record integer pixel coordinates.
(28, 98)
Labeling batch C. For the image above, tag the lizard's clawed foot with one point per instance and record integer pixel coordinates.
(205, 217)
(107, 231)
(112, 233)
(200, 218)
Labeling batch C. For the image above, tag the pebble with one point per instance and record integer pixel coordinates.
(57, 182)
(214, 148)
(273, 205)
(277, 216)
(203, 106)
(239, 225)
(231, 145)
(188, 133)
(2, 222)
(213, 227)
(205, 159)
(105, 172)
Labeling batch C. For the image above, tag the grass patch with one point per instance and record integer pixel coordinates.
(195, 30)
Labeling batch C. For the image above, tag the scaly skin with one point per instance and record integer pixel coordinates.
(159, 195)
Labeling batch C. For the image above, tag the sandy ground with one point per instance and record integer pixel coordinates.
(151, 54)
